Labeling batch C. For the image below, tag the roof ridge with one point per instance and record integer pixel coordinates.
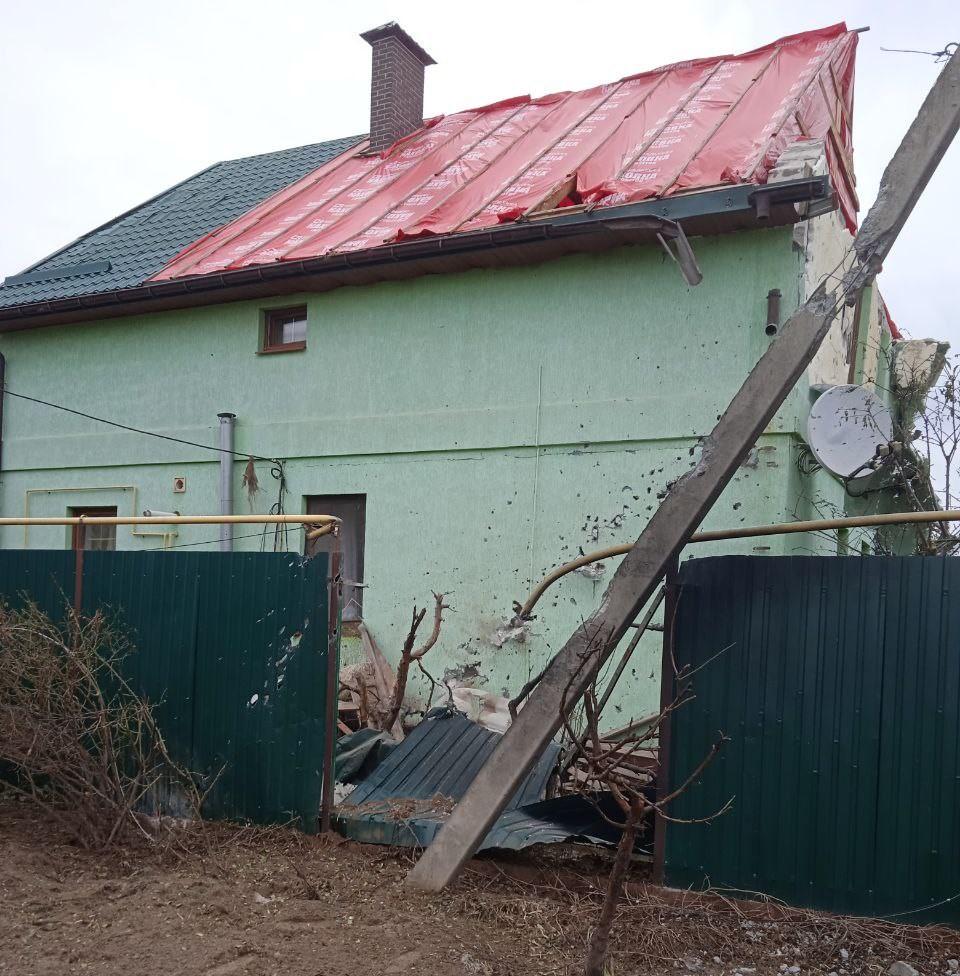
(307, 145)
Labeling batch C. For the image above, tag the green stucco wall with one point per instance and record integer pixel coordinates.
(497, 421)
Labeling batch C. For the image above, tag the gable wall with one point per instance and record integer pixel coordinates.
(498, 422)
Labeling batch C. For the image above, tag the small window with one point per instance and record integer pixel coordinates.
(352, 512)
(94, 536)
(285, 329)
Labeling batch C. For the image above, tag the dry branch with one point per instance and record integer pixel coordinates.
(599, 943)
(82, 745)
(408, 655)
(618, 768)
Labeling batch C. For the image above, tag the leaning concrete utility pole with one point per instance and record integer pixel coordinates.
(691, 498)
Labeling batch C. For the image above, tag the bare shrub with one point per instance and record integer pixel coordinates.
(409, 655)
(82, 745)
(607, 767)
(377, 691)
(930, 473)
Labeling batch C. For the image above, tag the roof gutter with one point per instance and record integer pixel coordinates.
(540, 237)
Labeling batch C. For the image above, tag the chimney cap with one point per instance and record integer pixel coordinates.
(393, 29)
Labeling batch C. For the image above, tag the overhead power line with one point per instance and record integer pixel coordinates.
(138, 430)
(941, 56)
(210, 542)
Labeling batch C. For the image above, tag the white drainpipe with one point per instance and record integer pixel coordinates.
(226, 478)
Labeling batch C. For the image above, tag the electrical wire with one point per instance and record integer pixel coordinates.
(280, 540)
(279, 529)
(210, 542)
(807, 462)
(923, 908)
(941, 56)
(136, 430)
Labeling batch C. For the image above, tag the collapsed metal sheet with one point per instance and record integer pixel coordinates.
(559, 819)
(684, 127)
(404, 801)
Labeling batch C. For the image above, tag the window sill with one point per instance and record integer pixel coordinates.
(289, 347)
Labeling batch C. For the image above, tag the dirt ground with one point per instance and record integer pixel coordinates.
(253, 902)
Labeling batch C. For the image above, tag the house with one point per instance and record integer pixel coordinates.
(478, 339)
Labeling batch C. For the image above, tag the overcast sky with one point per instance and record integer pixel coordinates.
(104, 103)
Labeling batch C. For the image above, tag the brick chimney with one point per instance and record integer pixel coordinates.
(396, 88)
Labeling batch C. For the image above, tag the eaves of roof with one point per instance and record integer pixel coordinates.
(550, 235)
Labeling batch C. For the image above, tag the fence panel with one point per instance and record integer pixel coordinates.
(152, 599)
(45, 576)
(231, 647)
(838, 682)
(261, 672)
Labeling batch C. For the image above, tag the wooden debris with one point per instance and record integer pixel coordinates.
(636, 767)
(383, 675)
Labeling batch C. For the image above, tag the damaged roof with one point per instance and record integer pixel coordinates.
(688, 126)
(332, 210)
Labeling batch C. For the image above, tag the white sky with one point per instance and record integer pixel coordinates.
(104, 103)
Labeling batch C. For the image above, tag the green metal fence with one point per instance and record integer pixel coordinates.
(232, 647)
(838, 682)
(44, 576)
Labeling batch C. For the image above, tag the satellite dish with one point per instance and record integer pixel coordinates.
(846, 426)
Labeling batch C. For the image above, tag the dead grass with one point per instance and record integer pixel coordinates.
(244, 900)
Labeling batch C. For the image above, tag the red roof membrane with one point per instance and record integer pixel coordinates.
(681, 128)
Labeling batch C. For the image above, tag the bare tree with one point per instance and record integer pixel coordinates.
(605, 765)
(930, 472)
(409, 655)
(920, 468)
(378, 692)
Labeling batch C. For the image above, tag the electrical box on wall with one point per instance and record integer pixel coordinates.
(179, 485)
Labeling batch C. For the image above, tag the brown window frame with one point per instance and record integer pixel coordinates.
(270, 324)
(78, 537)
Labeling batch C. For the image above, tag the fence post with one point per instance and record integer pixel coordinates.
(78, 581)
(667, 692)
(333, 684)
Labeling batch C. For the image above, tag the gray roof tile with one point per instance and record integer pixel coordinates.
(139, 243)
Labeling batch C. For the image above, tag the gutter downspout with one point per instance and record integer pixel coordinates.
(226, 477)
(3, 390)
